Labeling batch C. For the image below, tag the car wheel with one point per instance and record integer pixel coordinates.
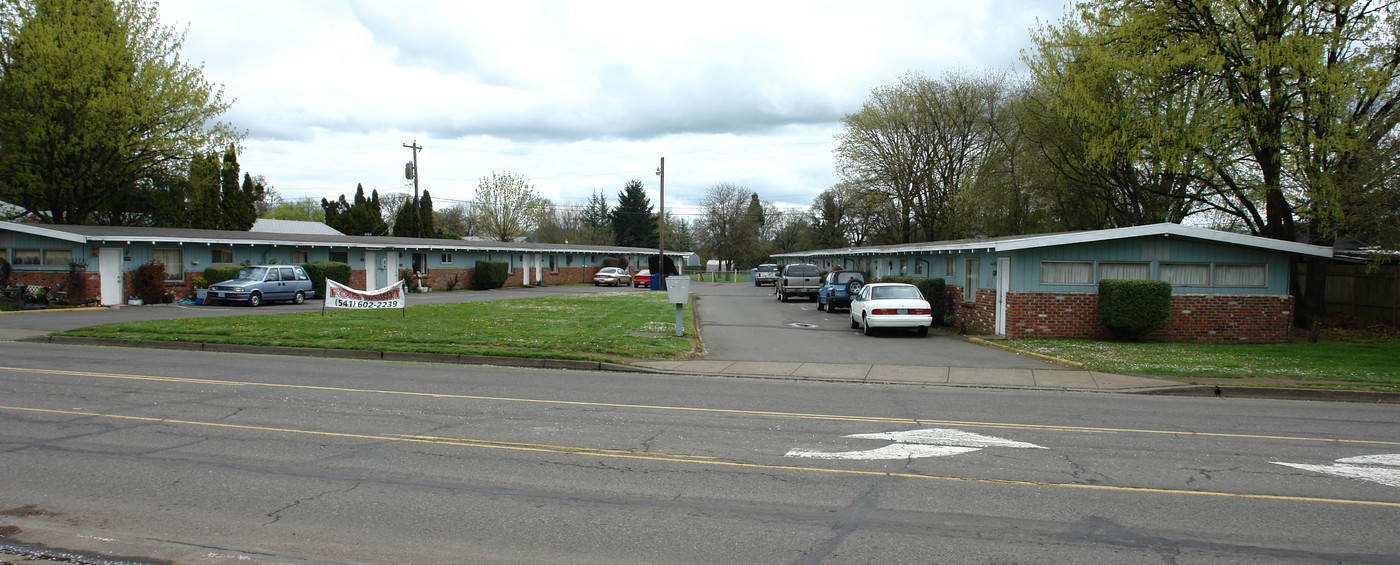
(854, 323)
(865, 328)
(782, 297)
(820, 305)
(921, 331)
(255, 299)
(299, 298)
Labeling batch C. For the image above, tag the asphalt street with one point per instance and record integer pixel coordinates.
(215, 457)
(152, 455)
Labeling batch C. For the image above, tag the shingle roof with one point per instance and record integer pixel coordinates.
(1008, 243)
(86, 234)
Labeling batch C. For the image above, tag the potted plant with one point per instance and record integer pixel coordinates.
(201, 289)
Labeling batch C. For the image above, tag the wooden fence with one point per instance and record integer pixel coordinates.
(1355, 290)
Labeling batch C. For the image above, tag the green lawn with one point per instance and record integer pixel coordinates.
(609, 326)
(1301, 362)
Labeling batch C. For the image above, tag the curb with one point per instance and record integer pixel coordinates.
(1278, 393)
(1041, 356)
(1186, 390)
(354, 354)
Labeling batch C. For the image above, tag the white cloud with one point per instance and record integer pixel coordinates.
(575, 95)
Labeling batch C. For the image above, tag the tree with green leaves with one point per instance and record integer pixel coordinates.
(99, 116)
(633, 221)
(1288, 105)
(506, 207)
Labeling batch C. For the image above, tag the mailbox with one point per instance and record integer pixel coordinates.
(678, 289)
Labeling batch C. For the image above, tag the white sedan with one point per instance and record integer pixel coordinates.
(891, 305)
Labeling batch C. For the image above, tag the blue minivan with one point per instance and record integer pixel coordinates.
(256, 284)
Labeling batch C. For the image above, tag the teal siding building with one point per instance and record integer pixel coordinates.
(1226, 287)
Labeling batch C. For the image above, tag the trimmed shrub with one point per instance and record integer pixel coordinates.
(4, 272)
(216, 274)
(148, 282)
(934, 291)
(319, 271)
(1132, 309)
(490, 274)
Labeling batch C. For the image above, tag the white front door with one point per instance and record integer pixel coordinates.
(1003, 276)
(391, 267)
(371, 270)
(109, 271)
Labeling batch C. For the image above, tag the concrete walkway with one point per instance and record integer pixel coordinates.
(1057, 379)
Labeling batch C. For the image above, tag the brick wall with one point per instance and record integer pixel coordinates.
(1203, 318)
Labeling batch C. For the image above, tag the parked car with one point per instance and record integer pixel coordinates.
(256, 284)
(891, 305)
(766, 273)
(612, 276)
(799, 280)
(642, 278)
(838, 287)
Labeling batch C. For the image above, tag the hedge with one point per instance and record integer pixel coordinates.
(216, 274)
(934, 291)
(1132, 309)
(490, 274)
(319, 271)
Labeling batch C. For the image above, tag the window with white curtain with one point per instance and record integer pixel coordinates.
(1125, 271)
(61, 257)
(970, 281)
(950, 267)
(174, 263)
(1240, 275)
(1066, 272)
(1184, 274)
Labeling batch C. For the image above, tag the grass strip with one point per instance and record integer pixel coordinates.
(1302, 362)
(612, 326)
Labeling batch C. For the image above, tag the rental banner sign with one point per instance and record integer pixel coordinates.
(341, 296)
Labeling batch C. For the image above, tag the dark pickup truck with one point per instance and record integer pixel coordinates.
(799, 280)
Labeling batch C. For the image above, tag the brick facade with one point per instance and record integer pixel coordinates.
(1201, 318)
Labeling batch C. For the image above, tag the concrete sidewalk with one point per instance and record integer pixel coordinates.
(1059, 379)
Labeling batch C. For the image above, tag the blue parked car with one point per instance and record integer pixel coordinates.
(838, 287)
(257, 284)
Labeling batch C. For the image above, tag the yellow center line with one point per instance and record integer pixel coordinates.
(696, 460)
(726, 411)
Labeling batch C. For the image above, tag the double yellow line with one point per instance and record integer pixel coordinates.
(679, 458)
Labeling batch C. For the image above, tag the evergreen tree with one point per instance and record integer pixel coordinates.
(361, 218)
(406, 220)
(634, 223)
(425, 217)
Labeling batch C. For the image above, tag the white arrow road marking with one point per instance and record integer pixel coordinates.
(1383, 469)
(945, 436)
(892, 451)
(933, 442)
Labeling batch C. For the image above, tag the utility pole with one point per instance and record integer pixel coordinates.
(661, 223)
(418, 225)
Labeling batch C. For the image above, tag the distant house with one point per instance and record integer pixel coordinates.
(41, 254)
(267, 225)
(1226, 287)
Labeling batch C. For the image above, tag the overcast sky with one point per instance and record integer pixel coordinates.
(576, 96)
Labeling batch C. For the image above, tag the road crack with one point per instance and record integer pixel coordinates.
(277, 514)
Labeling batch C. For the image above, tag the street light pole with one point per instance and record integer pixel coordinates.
(661, 224)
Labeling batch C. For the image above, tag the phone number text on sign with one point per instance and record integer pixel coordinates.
(366, 304)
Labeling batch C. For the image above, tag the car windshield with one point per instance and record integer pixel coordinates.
(895, 292)
(844, 277)
(252, 273)
(767, 268)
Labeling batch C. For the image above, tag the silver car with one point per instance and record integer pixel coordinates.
(257, 284)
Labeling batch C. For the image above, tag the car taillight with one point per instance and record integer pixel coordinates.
(901, 312)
